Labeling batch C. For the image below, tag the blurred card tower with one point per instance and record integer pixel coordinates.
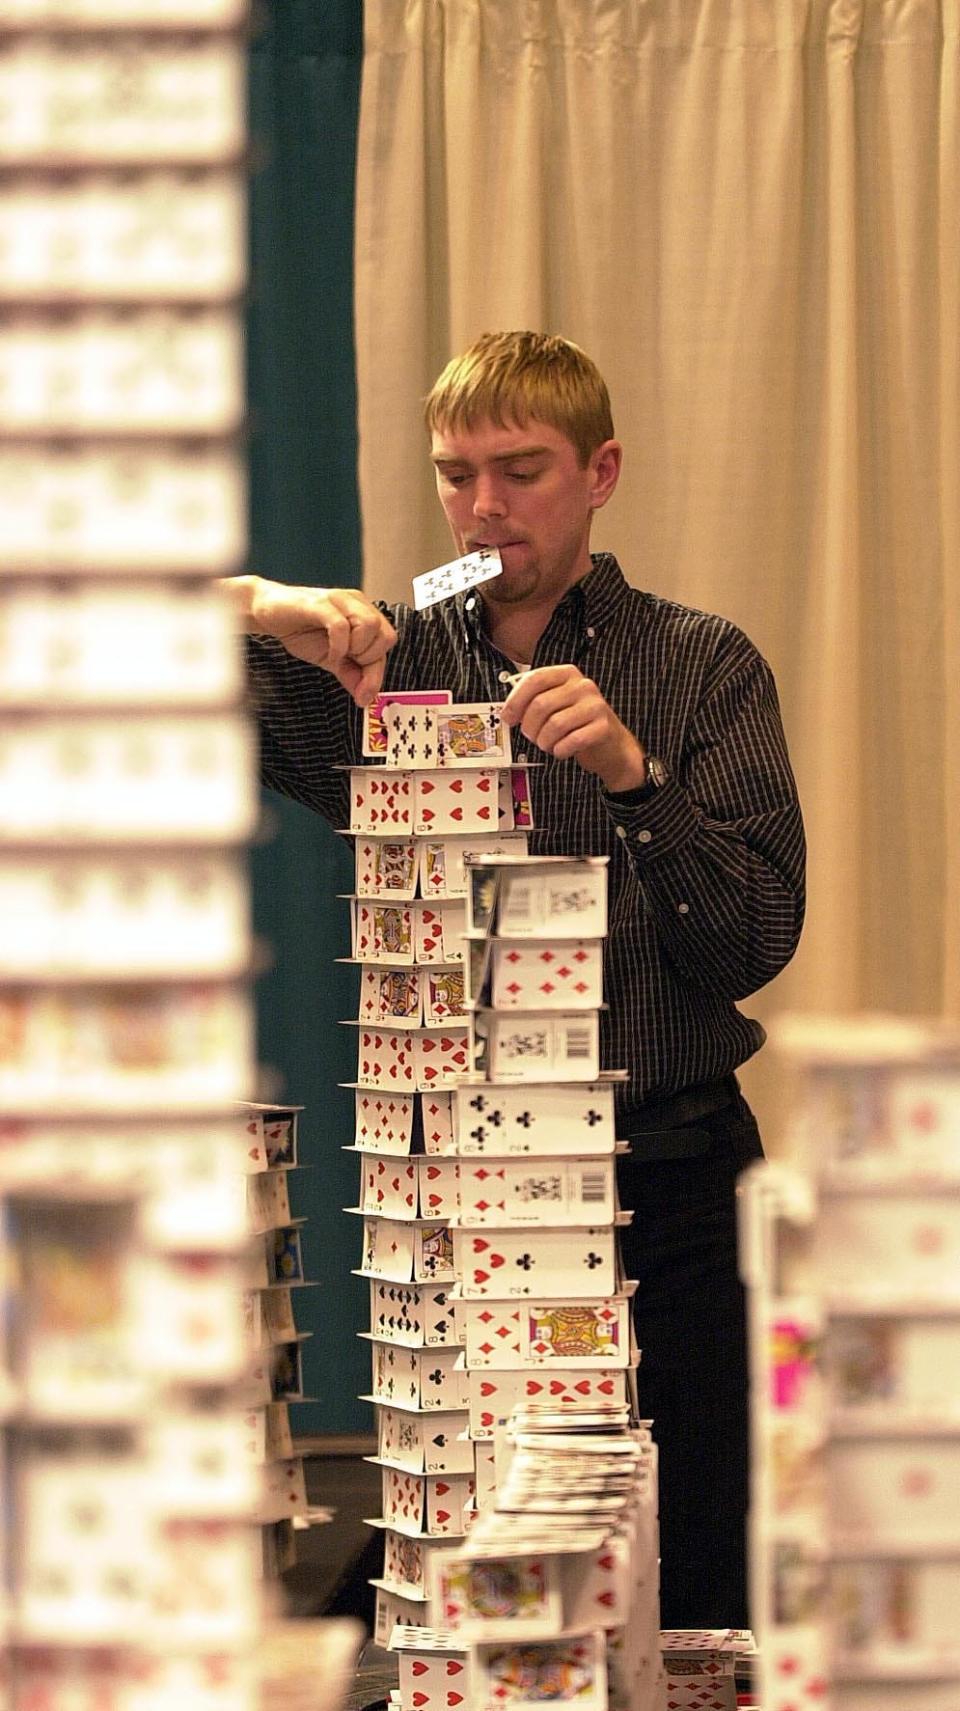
(439, 784)
(127, 780)
(271, 1152)
(851, 1251)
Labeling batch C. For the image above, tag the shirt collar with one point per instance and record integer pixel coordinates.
(595, 600)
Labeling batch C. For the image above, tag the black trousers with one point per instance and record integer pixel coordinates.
(689, 1314)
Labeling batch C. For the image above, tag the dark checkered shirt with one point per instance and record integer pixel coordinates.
(706, 875)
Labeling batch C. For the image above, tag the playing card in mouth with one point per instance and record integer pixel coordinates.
(452, 578)
(375, 740)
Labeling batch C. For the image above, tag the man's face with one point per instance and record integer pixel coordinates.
(523, 491)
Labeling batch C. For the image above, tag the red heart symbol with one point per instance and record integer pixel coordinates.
(487, 1389)
(606, 1388)
(533, 1389)
(454, 1698)
(496, 1259)
(456, 786)
(606, 1598)
(486, 1419)
(583, 1388)
(426, 814)
(443, 1515)
(255, 1151)
(251, 1128)
(556, 1388)
(453, 1667)
(419, 1667)
(479, 1245)
(426, 788)
(456, 813)
(483, 784)
(429, 1074)
(421, 1699)
(434, 1199)
(442, 1489)
(433, 1170)
(481, 1277)
(483, 813)
(428, 1045)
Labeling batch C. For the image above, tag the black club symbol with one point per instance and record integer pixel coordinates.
(525, 1262)
(593, 1260)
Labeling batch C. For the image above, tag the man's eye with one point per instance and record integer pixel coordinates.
(523, 475)
(454, 479)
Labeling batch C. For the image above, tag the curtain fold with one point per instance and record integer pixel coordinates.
(748, 214)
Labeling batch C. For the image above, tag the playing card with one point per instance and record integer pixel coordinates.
(412, 739)
(391, 996)
(561, 1332)
(898, 1493)
(389, 1186)
(280, 1130)
(204, 1582)
(438, 1444)
(506, 1262)
(416, 1315)
(385, 867)
(374, 740)
(406, 1563)
(505, 1192)
(283, 1491)
(438, 931)
(489, 1599)
(381, 801)
(472, 734)
(493, 1120)
(435, 1121)
(384, 1122)
(887, 1248)
(386, 1060)
(690, 1687)
(557, 900)
(442, 869)
(192, 1318)
(83, 1542)
(455, 800)
(394, 1612)
(268, 1201)
(492, 1394)
(794, 1677)
(444, 997)
(441, 1056)
(433, 1675)
(569, 1671)
(891, 1368)
(407, 1252)
(562, 976)
(382, 931)
(426, 1503)
(452, 578)
(538, 1048)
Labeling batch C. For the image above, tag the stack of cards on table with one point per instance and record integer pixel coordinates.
(554, 1592)
(851, 1250)
(440, 787)
(270, 1135)
(128, 782)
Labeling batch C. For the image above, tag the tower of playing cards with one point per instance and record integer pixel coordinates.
(127, 783)
(851, 1249)
(439, 785)
(270, 1135)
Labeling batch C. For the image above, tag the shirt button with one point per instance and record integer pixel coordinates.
(591, 632)
(621, 831)
(644, 837)
(683, 908)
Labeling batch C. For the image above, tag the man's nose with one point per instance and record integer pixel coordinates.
(488, 498)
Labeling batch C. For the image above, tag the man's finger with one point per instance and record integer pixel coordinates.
(532, 684)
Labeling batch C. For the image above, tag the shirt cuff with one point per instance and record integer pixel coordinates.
(657, 825)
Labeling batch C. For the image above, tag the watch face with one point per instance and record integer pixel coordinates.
(656, 771)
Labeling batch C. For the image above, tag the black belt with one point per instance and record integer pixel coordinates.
(660, 1128)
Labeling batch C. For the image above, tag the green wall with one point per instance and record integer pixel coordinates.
(304, 93)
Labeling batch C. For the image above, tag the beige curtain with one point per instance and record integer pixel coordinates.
(748, 212)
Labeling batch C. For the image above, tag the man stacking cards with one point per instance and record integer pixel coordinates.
(658, 739)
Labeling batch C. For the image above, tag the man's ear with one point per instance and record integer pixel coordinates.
(604, 466)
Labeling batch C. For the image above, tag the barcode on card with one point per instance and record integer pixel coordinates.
(593, 1186)
(518, 901)
(579, 1042)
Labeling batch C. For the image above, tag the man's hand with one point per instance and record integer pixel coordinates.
(335, 628)
(565, 714)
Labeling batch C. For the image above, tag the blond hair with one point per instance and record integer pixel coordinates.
(519, 377)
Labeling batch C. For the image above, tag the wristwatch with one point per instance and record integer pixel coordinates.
(657, 774)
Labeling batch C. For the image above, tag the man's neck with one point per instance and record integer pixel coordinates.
(516, 631)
